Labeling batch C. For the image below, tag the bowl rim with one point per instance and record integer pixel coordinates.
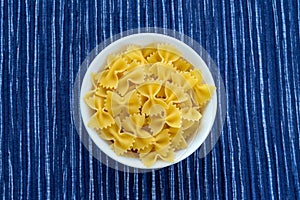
(110, 49)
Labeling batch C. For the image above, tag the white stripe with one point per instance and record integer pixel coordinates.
(225, 156)
(288, 102)
(1, 100)
(237, 86)
(11, 91)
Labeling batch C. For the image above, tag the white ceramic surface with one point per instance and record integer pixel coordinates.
(143, 39)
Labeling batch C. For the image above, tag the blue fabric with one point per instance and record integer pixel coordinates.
(256, 46)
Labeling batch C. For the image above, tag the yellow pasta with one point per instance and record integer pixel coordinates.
(132, 65)
(203, 93)
(97, 103)
(96, 121)
(134, 53)
(178, 141)
(187, 101)
(147, 102)
(149, 50)
(160, 149)
(188, 131)
(180, 81)
(162, 71)
(182, 65)
(149, 90)
(191, 114)
(109, 77)
(135, 76)
(187, 124)
(197, 74)
(122, 140)
(157, 121)
(150, 158)
(154, 58)
(116, 104)
(134, 124)
(190, 79)
(174, 94)
(173, 116)
(168, 53)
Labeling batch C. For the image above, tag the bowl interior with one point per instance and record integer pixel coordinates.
(143, 39)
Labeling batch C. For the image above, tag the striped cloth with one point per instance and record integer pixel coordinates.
(255, 44)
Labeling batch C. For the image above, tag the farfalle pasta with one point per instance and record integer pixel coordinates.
(147, 102)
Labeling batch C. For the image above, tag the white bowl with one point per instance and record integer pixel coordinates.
(143, 39)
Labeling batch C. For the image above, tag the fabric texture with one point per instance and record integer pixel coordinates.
(256, 46)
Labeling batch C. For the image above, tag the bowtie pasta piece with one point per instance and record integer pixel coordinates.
(168, 53)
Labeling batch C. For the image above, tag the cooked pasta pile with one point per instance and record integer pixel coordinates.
(147, 102)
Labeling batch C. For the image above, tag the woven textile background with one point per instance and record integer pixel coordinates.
(255, 44)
